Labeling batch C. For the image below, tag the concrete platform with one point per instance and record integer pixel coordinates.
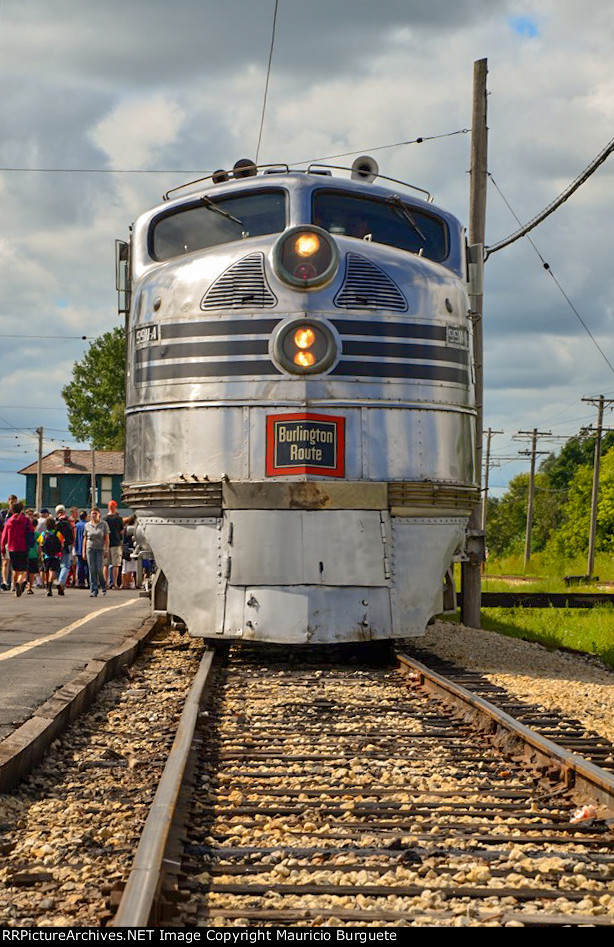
(45, 643)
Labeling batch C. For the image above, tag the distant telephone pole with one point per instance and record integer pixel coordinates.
(534, 435)
(489, 435)
(600, 402)
(471, 569)
(39, 471)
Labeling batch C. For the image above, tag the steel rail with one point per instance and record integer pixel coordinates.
(576, 771)
(145, 878)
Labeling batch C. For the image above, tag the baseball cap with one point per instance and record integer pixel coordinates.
(60, 508)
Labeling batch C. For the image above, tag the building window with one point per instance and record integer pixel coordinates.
(106, 490)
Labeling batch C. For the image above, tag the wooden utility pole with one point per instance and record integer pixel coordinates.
(39, 471)
(489, 436)
(600, 402)
(471, 569)
(534, 434)
(93, 478)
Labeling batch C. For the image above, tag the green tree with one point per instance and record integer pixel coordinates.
(506, 523)
(95, 398)
(575, 453)
(572, 537)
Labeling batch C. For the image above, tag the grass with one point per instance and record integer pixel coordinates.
(588, 630)
(542, 568)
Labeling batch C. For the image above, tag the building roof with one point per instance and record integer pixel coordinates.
(68, 461)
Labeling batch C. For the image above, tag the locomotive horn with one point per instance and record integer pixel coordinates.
(365, 169)
(244, 168)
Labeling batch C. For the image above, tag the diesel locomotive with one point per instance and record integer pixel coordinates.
(300, 416)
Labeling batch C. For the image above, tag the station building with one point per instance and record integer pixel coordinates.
(67, 478)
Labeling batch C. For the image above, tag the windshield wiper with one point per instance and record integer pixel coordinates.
(211, 205)
(403, 211)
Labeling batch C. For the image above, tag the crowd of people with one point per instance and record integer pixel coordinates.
(79, 549)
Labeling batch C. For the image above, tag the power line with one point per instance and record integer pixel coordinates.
(396, 144)
(268, 76)
(187, 171)
(548, 268)
(592, 167)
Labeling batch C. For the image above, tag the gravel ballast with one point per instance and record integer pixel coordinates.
(577, 685)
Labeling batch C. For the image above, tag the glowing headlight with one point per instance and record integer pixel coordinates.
(305, 347)
(306, 244)
(304, 337)
(306, 257)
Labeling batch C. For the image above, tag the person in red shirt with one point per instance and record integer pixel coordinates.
(17, 536)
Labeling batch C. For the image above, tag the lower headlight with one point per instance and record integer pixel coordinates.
(305, 346)
(305, 257)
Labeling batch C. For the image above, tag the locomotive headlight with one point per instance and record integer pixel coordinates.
(304, 337)
(306, 244)
(305, 257)
(305, 346)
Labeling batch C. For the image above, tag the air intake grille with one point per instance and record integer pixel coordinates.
(242, 286)
(367, 287)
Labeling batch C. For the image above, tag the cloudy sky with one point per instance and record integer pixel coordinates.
(97, 98)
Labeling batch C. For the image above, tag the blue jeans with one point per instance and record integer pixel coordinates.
(65, 561)
(82, 571)
(94, 564)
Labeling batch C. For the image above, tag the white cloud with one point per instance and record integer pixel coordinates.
(137, 129)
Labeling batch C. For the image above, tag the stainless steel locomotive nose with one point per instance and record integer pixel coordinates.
(305, 257)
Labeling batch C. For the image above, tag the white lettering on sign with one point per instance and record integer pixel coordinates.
(313, 435)
(305, 453)
(146, 335)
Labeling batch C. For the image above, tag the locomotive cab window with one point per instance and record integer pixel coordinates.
(207, 223)
(390, 221)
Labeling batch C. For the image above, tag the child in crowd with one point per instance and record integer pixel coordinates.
(33, 552)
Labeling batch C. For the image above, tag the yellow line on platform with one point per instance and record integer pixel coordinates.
(63, 631)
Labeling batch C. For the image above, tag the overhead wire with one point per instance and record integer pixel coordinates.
(556, 203)
(343, 154)
(548, 268)
(268, 76)
(396, 144)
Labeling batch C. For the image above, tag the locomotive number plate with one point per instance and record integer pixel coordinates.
(305, 443)
(457, 336)
(146, 335)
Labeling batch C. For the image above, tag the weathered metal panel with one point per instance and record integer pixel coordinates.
(304, 615)
(305, 495)
(421, 552)
(188, 551)
(288, 547)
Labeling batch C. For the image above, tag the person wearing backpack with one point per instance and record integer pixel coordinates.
(51, 542)
(64, 526)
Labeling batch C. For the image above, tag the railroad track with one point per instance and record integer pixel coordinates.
(330, 791)
(567, 732)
